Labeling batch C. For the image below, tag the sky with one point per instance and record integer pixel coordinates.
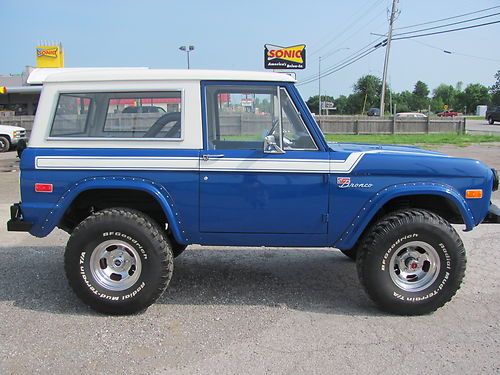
(232, 34)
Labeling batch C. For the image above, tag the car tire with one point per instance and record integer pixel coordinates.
(411, 262)
(490, 120)
(21, 146)
(4, 144)
(118, 261)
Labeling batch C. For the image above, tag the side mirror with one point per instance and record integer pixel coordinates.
(270, 146)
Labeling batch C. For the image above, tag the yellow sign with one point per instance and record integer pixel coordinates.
(278, 57)
(49, 56)
(3, 90)
(445, 107)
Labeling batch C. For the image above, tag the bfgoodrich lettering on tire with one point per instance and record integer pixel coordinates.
(118, 261)
(411, 262)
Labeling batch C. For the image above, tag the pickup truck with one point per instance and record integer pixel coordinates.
(492, 114)
(234, 159)
(11, 136)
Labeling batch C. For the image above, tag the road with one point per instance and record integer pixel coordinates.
(481, 127)
(243, 311)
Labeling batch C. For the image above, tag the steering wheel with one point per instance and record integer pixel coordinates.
(173, 132)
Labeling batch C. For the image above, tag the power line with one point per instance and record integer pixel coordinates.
(450, 24)
(453, 52)
(352, 56)
(445, 31)
(326, 44)
(340, 66)
(446, 19)
(329, 53)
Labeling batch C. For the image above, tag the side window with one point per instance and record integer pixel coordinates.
(295, 133)
(119, 115)
(239, 117)
(148, 115)
(71, 116)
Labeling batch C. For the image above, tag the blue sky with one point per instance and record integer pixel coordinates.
(231, 35)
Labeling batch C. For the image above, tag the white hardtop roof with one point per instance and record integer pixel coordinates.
(40, 76)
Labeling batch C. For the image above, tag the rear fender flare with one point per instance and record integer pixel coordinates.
(154, 189)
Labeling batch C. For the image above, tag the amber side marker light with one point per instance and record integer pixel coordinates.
(474, 193)
(43, 188)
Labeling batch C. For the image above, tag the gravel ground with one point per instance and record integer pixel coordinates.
(255, 310)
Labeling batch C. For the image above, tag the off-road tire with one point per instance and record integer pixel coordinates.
(490, 120)
(386, 240)
(145, 246)
(4, 144)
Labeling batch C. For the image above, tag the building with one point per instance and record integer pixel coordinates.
(19, 98)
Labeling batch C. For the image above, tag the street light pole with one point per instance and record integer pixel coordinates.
(319, 86)
(187, 49)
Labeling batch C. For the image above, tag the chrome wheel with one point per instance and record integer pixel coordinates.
(115, 265)
(414, 266)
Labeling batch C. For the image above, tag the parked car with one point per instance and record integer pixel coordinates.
(133, 196)
(449, 113)
(373, 112)
(10, 136)
(492, 114)
(411, 115)
(143, 109)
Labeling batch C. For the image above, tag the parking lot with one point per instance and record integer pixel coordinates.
(239, 311)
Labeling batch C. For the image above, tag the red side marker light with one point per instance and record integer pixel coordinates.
(44, 188)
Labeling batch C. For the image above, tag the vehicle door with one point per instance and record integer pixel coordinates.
(261, 170)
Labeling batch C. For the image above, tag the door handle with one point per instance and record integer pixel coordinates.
(214, 156)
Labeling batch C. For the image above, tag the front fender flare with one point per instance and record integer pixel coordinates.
(351, 235)
(154, 189)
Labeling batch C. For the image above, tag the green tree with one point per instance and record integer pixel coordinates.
(420, 97)
(342, 104)
(495, 90)
(402, 101)
(473, 95)
(366, 93)
(444, 95)
(313, 102)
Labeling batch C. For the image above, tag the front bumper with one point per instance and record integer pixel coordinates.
(16, 222)
(493, 216)
(15, 141)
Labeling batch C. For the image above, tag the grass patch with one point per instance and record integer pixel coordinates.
(414, 139)
(474, 117)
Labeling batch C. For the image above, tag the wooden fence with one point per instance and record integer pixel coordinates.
(389, 125)
(247, 123)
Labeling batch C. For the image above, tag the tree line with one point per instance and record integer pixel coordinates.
(366, 94)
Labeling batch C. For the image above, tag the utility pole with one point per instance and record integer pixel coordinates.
(386, 61)
(319, 86)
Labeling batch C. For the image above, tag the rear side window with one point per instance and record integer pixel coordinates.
(119, 115)
(71, 116)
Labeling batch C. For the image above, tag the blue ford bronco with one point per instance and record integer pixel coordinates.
(233, 158)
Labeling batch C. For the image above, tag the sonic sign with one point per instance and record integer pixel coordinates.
(277, 57)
